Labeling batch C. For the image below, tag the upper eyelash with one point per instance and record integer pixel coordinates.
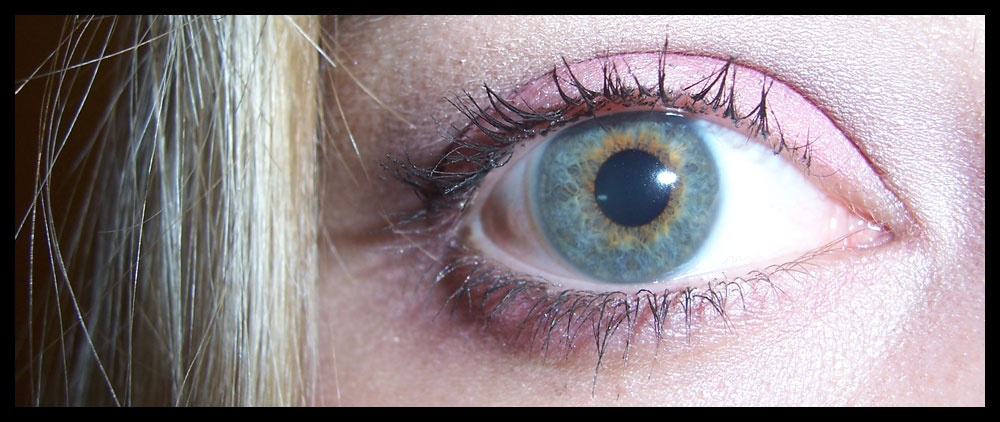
(488, 141)
(505, 125)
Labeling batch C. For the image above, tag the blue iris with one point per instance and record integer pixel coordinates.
(626, 198)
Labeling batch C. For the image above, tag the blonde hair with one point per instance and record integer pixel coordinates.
(184, 273)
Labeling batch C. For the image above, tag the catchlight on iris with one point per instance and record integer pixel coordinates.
(626, 198)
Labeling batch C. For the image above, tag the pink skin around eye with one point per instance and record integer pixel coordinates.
(903, 324)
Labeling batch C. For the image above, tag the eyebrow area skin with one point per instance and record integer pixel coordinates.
(903, 324)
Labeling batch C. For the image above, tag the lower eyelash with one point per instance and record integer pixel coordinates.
(528, 314)
(546, 319)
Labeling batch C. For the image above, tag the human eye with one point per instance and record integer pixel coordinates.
(737, 188)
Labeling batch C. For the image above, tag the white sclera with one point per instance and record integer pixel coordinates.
(769, 214)
(768, 209)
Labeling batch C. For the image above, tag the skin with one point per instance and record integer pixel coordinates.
(900, 324)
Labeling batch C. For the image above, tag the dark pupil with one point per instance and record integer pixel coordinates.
(627, 188)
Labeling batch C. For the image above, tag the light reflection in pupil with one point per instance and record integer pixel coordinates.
(633, 187)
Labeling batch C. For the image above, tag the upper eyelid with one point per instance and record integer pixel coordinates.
(853, 178)
(414, 90)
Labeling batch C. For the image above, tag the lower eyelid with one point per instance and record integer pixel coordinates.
(528, 315)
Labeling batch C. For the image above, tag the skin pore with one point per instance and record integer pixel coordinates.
(903, 323)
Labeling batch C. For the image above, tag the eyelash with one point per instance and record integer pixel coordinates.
(557, 318)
